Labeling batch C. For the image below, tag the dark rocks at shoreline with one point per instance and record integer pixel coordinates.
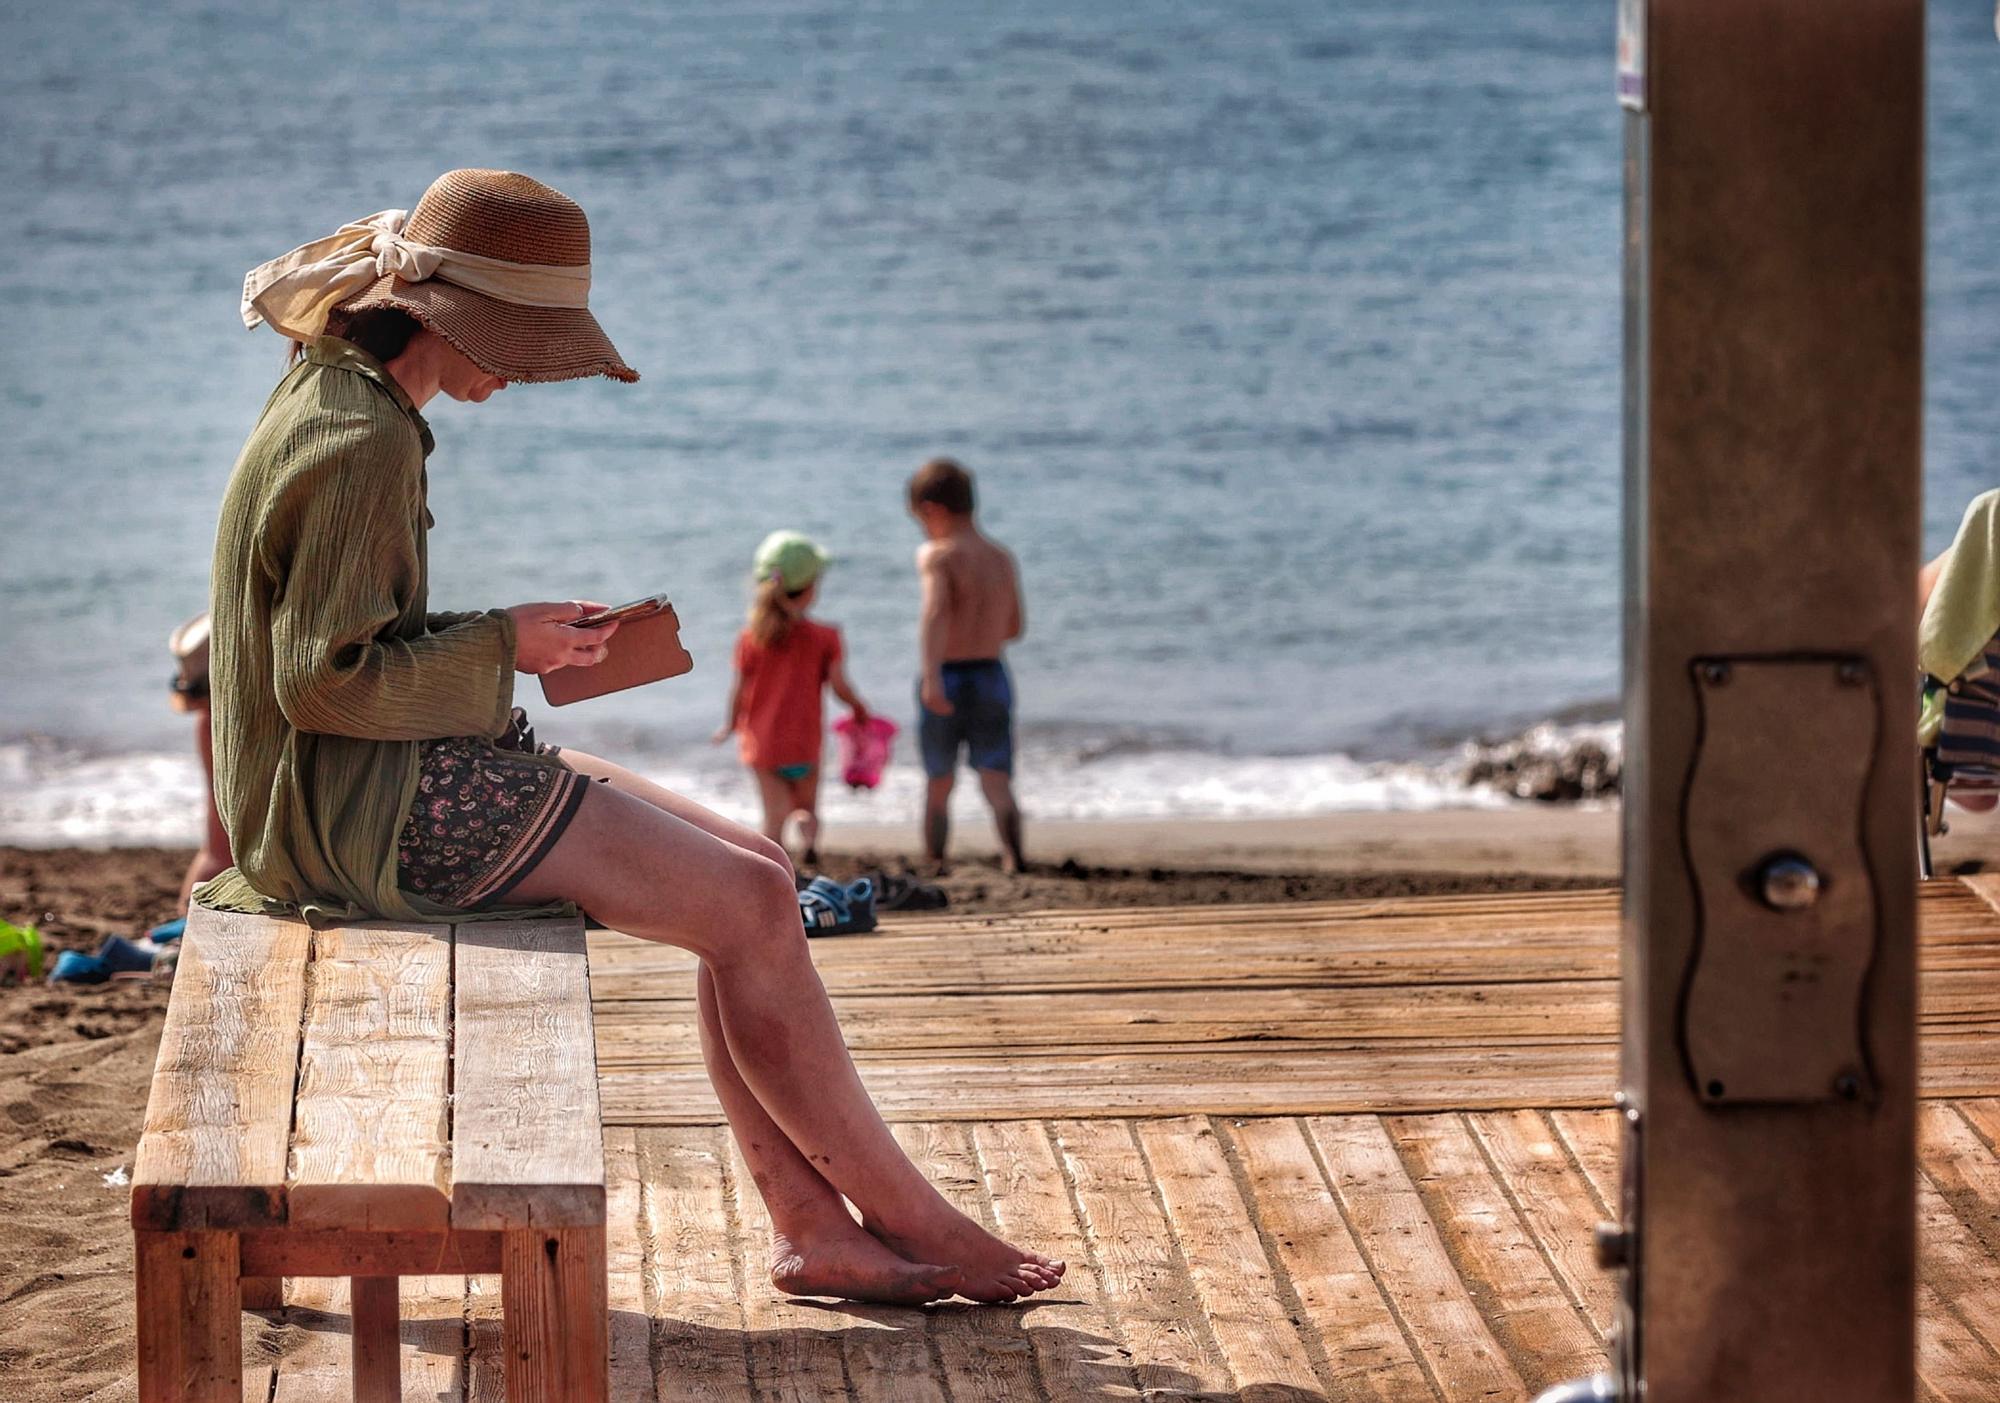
(1547, 766)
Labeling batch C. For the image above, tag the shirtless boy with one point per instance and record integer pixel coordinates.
(971, 611)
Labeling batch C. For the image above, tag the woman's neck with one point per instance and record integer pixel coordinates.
(418, 369)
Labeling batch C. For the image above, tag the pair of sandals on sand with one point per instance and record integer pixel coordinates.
(848, 908)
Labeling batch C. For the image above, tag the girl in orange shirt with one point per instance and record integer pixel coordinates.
(783, 660)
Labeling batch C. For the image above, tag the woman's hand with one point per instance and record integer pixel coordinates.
(544, 641)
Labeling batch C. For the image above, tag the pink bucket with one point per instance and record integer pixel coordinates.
(864, 749)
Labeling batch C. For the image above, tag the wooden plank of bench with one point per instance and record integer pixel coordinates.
(527, 1143)
(220, 1113)
(371, 1133)
(277, 1252)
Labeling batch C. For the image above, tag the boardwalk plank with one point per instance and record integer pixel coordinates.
(1593, 1138)
(794, 1350)
(1962, 1167)
(635, 1032)
(1545, 1333)
(1074, 1342)
(1409, 1259)
(1368, 1358)
(1145, 1288)
(694, 1283)
(1950, 1260)
(981, 1354)
(1953, 1363)
(1163, 960)
(1556, 1202)
(1164, 1082)
(1234, 1283)
(625, 1263)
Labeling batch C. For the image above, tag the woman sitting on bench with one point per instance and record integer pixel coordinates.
(369, 762)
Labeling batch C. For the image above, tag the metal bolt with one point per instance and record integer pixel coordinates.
(1847, 1086)
(1715, 674)
(1788, 882)
(1852, 673)
(1614, 1246)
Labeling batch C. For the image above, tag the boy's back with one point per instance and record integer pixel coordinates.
(979, 590)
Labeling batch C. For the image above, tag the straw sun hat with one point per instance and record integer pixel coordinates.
(494, 262)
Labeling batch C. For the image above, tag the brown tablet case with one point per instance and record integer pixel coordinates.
(645, 649)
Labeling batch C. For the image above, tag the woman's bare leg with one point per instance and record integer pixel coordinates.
(819, 1251)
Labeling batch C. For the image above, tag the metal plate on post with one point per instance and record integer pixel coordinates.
(1787, 908)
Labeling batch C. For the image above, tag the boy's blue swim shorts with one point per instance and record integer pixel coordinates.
(981, 720)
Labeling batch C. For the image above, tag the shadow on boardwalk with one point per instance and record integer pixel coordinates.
(864, 1352)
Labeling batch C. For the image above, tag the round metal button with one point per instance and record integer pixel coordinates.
(1788, 882)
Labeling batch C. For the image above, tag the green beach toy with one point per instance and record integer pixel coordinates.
(20, 952)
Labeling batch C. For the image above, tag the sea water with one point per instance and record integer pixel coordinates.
(1283, 338)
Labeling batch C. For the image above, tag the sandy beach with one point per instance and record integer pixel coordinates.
(77, 1062)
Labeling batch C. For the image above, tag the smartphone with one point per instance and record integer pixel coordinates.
(637, 609)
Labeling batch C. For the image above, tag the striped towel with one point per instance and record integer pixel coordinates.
(1969, 740)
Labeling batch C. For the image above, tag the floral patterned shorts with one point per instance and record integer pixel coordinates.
(483, 816)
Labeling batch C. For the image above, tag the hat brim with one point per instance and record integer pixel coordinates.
(524, 345)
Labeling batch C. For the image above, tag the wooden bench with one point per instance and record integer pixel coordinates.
(373, 1101)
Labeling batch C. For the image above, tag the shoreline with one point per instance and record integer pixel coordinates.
(1567, 842)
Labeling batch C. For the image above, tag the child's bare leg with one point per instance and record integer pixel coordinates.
(774, 792)
(805, 806)
(213, 856)
(998, 787)
(761, 970)
(937, 818)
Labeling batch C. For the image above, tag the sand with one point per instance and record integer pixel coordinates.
(76, 1063)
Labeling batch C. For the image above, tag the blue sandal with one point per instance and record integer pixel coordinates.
(829, 908)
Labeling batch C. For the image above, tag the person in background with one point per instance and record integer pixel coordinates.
(1958, 614)
(784, 661)
(971, 611)
(189, 694)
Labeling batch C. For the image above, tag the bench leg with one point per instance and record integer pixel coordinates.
(190, 1306)
(374, 1314)
(555, 1326)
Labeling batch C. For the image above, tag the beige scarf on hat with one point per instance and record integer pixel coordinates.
(296, 293)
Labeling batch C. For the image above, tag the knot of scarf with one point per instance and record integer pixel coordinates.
(298, 291)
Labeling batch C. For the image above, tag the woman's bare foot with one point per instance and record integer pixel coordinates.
(851, 1263)
(990, 1269)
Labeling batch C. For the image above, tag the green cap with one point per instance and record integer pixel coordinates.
(792, 557)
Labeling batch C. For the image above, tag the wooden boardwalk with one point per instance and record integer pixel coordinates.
(1343, 1151)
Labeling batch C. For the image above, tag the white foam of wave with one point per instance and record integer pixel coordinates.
(50, 796)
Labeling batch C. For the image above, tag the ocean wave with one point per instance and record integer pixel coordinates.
(56, 794)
